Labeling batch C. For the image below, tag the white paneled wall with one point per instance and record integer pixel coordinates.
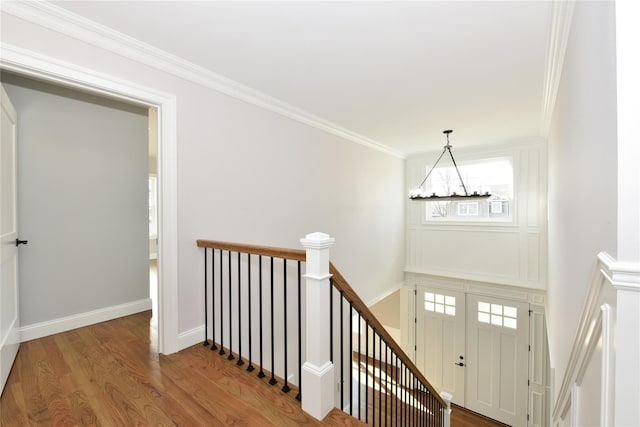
(509, 253)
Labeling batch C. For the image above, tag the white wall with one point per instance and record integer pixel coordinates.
(82, 186)
(249, 175)
(582, 172)
(511, 253)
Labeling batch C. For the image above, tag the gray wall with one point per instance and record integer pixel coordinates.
(82, 171)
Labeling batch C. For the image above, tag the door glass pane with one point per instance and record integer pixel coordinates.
(510, 311)
(483, 317)
(440, 303)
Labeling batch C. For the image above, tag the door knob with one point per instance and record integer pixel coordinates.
(21, 242)
(459, 364)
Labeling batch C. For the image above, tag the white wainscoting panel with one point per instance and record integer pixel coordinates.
(509, 253)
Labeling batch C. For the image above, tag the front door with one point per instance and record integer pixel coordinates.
(497, 358)
(440, 340)
(9, 319)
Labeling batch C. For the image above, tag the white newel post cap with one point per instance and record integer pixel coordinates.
(317, 240)
(317, 246)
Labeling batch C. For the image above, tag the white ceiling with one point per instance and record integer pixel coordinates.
(397, 73)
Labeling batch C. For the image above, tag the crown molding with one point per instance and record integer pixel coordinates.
(59, 19)
(561, 16)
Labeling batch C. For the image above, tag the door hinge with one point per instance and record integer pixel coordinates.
(529, 347)
(528, 382)
(530, 311)
(527, 417)
(415, 292)
(415, 320)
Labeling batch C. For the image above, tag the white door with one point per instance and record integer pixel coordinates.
(497, 358)
(9, 319)
(440, 340)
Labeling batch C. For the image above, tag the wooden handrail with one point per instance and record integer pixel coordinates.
(342, 285)
(293, 254)
(350, 294)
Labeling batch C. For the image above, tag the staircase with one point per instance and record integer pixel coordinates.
(291, 317)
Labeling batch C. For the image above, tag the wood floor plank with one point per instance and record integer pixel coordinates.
(15, 412)
(81, 389)
(37, 406)
(461, 417)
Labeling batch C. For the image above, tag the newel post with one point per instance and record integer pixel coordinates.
(446, 410)
(317, 371)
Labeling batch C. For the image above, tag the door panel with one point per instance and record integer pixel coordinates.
(9, 318)
(497, 358)
(440, 339)
(484, 357)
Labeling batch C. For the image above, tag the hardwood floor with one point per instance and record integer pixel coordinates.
(111, 374)
(461, 417)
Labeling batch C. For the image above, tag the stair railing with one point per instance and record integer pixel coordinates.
(257, 307)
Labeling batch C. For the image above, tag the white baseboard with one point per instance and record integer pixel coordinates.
(63, 324)
(191, 337)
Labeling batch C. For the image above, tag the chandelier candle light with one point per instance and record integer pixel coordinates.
(420, 192)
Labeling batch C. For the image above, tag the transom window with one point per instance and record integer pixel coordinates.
(489, 175)
(439, 303)
(498, 315)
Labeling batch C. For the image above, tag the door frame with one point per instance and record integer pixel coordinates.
(536, 299)
(35, 65)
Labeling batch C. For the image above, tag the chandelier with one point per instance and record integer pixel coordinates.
(420, 192)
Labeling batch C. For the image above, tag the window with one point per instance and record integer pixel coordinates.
(153, 206)
(498, 315)
(489, 175)
(468, 209)
(438, 303)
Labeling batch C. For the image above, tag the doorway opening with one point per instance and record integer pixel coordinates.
(94, 154)
(47, 69)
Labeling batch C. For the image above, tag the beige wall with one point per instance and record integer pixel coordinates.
(387, 310)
